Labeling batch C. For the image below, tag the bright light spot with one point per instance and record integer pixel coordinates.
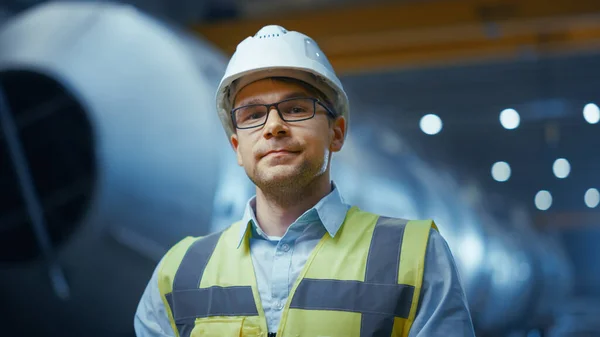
(510, 119)
(431, 124)
(501, 171)
(471, 251)
(591, 113)
(592, 198)
(561, 168)
(543, 200)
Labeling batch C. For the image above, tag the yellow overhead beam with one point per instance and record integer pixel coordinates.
(382, 36)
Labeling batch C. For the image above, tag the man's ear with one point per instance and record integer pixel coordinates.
(235, 144)
(338, 132)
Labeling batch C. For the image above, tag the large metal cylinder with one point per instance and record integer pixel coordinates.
(114, 114)
(114, 111)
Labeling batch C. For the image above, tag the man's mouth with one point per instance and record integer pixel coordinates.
(279, 153)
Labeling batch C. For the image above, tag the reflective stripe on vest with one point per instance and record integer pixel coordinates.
(188, 301)
(368, 297)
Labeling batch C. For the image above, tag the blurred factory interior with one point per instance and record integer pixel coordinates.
(482, 115)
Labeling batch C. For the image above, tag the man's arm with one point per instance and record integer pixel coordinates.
(443, 309)
(151, 319)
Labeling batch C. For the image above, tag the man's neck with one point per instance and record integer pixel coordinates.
(275, 214)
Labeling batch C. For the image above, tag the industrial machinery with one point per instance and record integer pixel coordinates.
(111, 152)
(107, 140)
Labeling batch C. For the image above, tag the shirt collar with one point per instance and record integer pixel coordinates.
(329, 211)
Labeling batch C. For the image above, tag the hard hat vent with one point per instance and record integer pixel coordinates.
(270, 32)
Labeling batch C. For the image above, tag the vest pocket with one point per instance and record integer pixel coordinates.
(224, 327)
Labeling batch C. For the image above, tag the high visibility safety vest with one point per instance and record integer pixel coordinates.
(363, 282)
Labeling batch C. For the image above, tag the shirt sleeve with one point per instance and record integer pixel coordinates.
(443, 309)
(151, 319)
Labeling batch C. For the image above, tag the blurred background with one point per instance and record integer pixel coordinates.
(483, 115)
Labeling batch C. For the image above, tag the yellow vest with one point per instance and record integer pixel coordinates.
(363, 282)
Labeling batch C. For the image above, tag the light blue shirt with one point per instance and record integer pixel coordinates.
(278, 261)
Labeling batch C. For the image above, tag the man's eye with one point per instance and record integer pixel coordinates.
(298, 109)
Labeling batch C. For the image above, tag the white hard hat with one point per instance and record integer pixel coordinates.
(277, 52)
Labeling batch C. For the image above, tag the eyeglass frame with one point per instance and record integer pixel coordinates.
(276, 105)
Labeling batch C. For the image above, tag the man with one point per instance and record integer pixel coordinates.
(300, 262)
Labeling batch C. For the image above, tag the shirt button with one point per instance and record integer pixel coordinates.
(285, 247)
(279, 305)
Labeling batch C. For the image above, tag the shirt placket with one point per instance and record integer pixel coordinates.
(280, 274)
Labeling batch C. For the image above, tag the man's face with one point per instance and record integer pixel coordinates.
(285, 155)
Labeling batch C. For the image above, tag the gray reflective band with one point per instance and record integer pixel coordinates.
(353, 296)
(184, 326)
(371, 297)
(188, 301)
(213, 301)
(383, 262)
(194, 262)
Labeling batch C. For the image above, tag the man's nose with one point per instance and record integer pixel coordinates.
(275, 126)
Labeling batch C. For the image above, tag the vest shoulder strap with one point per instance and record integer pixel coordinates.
(412, 261)
(167, 270)
(183, 265)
